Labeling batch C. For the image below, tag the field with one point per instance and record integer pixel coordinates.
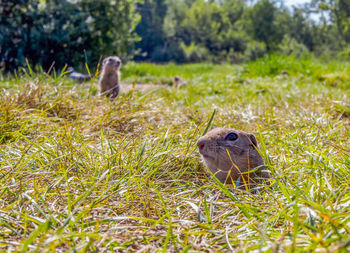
(82, 173)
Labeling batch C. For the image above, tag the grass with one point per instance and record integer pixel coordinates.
(81, 173)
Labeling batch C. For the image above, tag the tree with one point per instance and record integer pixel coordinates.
(62, 31)
(341, 10)
(262, 17)
(207, 30)
(150, 28)
(19, 29)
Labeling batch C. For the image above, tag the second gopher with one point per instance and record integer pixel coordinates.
(109, 83)
(230, 154)
(178, 82)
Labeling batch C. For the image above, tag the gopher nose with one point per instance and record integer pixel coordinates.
(201, 144)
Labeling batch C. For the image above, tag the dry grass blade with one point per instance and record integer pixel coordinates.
(83, 173)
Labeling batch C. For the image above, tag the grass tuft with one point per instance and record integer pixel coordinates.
(83, 173)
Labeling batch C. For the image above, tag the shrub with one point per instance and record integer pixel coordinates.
(194, 52)
(291, 46)
(61, 32)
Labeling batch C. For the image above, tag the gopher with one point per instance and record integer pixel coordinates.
(76, 76)
(178, 82)
(230, 154)
(284, 73)
(109, 83)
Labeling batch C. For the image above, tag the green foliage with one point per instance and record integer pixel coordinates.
(65, 32)
(273, 65)
(182, 31)
(231, 31)
(340, 12)
(195, 53)
(20, 27)
(345, 54)
(331, 72)
(290, 46)
(234, 31)
(111, 25)
(210, 27)
(255, 50)
(263, 26)
(150, 29)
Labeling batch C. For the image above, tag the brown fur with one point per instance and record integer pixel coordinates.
(178, 82)
(284, 73)
(242, 158)
(109, 83)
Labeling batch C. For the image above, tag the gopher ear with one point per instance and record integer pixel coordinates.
(253, 139)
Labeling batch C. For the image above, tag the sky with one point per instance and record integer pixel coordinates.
(286, 2)
(292, 2)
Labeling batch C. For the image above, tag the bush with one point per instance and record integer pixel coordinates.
(171, 51)
(345, 54)
(255, 50)
(291, 46)
(62, 32)
(194, 52)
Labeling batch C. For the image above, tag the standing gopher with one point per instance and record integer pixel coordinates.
(110, 76)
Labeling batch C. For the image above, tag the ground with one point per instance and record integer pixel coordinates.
(84, 173)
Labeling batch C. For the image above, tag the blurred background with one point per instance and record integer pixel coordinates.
(55, 33)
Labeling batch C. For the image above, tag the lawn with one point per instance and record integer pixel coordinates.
(82, 173)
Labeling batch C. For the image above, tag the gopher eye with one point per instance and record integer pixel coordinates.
(231, 137)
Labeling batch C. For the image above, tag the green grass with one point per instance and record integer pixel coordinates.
(81, 173)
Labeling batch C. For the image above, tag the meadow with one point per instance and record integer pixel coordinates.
(81, 173)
